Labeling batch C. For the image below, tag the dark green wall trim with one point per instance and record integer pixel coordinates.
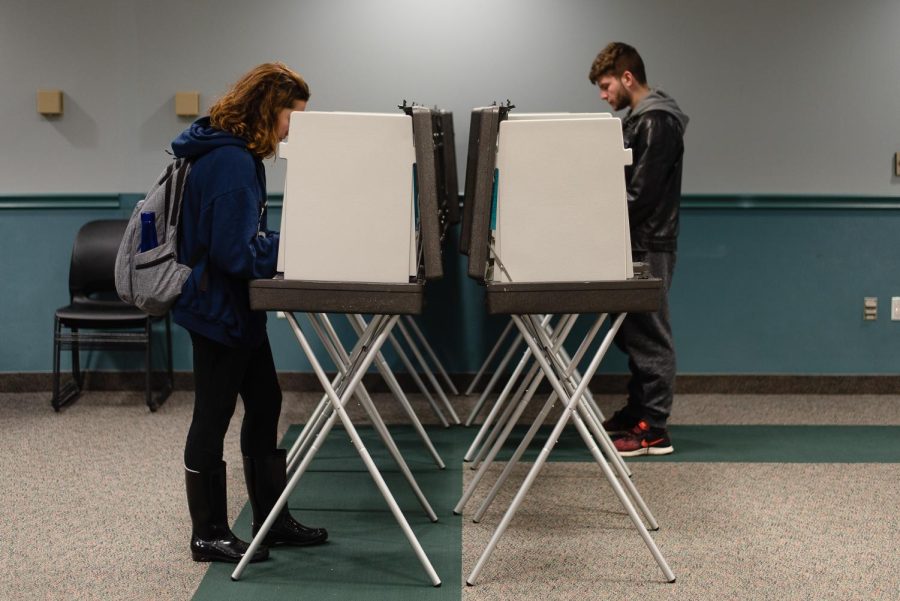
(756, 201)
(778, 201)
(68, 202)
(689, 201)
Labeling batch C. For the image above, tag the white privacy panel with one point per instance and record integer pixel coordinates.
(562, 211)
(348, 198)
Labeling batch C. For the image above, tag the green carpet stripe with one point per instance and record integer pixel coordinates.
(369, 558)
(747, 444)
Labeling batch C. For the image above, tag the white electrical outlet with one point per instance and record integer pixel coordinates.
(895, 308)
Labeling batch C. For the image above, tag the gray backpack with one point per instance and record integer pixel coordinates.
(152, 280)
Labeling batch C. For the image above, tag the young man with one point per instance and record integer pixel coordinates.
(653, 129)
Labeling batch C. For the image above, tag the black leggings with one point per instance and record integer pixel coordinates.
(220, 373)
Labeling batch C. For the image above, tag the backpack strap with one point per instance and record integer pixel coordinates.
(177, 199)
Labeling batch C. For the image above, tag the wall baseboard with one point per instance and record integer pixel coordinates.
(602, 384)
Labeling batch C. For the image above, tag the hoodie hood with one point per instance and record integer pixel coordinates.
(201, 137)
(657, 100)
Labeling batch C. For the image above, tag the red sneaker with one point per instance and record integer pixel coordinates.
(644, 440)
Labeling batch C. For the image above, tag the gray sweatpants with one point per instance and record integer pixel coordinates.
(647, 340)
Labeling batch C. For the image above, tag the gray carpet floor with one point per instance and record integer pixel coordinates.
(728, 530)
(93, 508)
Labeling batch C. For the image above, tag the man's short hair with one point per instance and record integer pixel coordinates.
(615, 59)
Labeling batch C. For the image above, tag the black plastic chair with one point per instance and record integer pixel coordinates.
(96, 318)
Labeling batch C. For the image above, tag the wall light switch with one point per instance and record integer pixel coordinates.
(50, 102)
(187, 104)
(895, 308)
(870, 308)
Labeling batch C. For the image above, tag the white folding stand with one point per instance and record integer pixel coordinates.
(350, 186)
(587, 429)
(332, 343)
(519, 402)
(561, 246)
(428, 373)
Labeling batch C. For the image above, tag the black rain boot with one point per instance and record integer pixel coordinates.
(266, 478)
(212, 539)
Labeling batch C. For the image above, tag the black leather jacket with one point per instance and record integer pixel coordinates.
(653, 180)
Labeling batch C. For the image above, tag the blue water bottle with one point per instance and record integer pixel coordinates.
(148, 231)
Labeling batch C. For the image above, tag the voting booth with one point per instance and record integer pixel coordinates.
(561, 211)
(360, 234)
(546, 222)
(350, 185)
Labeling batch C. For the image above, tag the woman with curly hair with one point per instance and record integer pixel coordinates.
(225, 231)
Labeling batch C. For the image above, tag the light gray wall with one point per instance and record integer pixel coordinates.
(785, 98)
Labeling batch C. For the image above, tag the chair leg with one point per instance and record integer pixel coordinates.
(54, 402)
(169, 351)
(76, 361)
(63, 395)
(169, 382)
(148, 392)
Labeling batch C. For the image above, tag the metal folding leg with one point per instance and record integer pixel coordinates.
(601, 439)
(401, 354)
(372, 340)
(569, 365)
(498, 373)
(591, 405)
(498, 404)
(527, 388)
(315, 421)
(359, 324)
(325, 331)
(342, 361)
(535, 380)
(428, 373)
(323, 409)
(572, 401)
(505, 425)
(535, 426)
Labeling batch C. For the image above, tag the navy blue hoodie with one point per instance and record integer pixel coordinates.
(223, 220)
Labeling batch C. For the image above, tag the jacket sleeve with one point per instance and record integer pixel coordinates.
(657, 148)
(236, 248)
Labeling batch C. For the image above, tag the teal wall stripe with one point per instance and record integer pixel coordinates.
(762, 291)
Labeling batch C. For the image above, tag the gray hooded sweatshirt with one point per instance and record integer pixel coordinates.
(657, 100)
